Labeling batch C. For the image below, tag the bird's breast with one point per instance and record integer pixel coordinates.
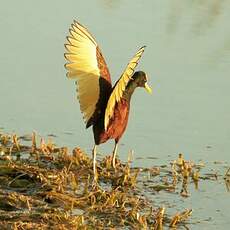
(118, 122)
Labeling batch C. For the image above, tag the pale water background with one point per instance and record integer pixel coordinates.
(187, 60)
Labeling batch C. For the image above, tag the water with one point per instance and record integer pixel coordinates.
(187, 60)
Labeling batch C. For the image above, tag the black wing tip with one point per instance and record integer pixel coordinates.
(65, 65)
(75, 22)
(71, 30)
(66, 46)
(65, 55)
(143, 47)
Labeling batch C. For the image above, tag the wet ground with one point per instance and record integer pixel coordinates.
(44, 186)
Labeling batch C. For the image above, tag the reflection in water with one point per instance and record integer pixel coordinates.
(204, 14)
(207, 14)
(227, 179)
(227, 184)
(175, 13)
(169, 28)
(111, 4)
(205, 20)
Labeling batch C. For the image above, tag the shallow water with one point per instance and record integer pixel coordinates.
(187, 61)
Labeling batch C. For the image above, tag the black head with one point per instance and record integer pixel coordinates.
(140, 78)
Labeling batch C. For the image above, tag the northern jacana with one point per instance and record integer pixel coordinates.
(104, 107)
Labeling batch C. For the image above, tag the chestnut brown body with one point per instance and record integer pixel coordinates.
(117, 124)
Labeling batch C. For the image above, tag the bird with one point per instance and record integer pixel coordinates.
(104, 107)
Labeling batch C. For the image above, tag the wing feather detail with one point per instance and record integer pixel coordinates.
(120, 86)
(86, 65)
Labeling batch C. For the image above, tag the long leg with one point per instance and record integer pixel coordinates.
(94, 164)
(114, 154)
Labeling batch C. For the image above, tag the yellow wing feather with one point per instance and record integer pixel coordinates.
(84, 66)
(117, 93)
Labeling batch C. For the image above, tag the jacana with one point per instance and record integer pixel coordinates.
(104, 107)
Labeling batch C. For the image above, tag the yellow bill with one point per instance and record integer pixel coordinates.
(147, 88)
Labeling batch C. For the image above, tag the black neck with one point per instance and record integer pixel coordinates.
(129, 90)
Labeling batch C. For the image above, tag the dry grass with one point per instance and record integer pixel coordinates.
(46, 187)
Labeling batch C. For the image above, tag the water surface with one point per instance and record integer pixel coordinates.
(187, 61)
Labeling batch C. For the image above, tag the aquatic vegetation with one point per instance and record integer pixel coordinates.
(227, 179)
(44, 186)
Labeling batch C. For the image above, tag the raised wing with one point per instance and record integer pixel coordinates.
(120, 86)
(87, 65)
